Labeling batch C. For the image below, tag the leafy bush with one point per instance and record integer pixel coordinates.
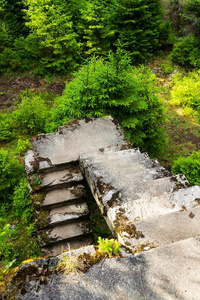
(114, 88)
(7, 250)
(31, 114)
(22, 207)
(110, 247)
(10, 173)
(22, 146)
(190, 166)
(185, 91)
(186, 51)
(6, 130)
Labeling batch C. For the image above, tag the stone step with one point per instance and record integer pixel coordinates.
(57, 179)
(130, 211)
(64, 196)
(63, 233)
(66, 246)
(162, 230)
(61, 215)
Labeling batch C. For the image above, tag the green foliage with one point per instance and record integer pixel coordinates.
(51, 27)
(114, 88)
(31, 114)
(185, 92)
(110, 247)
(137, 25)
(186, 51)
(7, 250)
(10, 173)
(6, 127)
(21, 198)
(190, 166)
(94, 31)
(22, 146)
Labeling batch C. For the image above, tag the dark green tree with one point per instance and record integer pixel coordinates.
(137, 25)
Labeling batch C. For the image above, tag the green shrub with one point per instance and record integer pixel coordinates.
(6, 127)
(31, 114)
(114, 88)
(190, 166)
(7, 249)
(109, 246)
(185, 92)
(22, 207)
(21, 198)
(22, 146)
(186, 51)
(11, 172)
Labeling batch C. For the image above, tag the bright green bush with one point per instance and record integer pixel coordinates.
(185, 91)
(109, 246)
(190, 166)
(11, 172)
(31, 114)
(114, 88)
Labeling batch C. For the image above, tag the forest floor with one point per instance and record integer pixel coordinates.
(183, 132)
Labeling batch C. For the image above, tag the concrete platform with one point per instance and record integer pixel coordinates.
(85, 136)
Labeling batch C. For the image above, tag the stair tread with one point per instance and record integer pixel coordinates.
(164, 229)
(57, 197)
(63, 233)
(65, 214)
(61, 177)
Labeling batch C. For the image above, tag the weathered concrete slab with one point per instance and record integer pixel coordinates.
(165, 273)
(63, 233)
(63, 196)
(163, 229)
(71, 141)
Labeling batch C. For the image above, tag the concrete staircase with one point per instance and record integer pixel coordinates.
(144, 204)
(60, 208)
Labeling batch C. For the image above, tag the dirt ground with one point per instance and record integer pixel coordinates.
(10, 88)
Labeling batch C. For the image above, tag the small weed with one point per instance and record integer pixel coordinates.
(68, 264)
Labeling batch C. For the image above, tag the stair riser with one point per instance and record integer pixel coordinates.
(59, 167)
(63, 203)
(81, 236)
(49, 188)
(64, 222)
(88, 238)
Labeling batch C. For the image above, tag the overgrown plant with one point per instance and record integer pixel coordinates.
(185, 92)
(109, 246)
(190, 166)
